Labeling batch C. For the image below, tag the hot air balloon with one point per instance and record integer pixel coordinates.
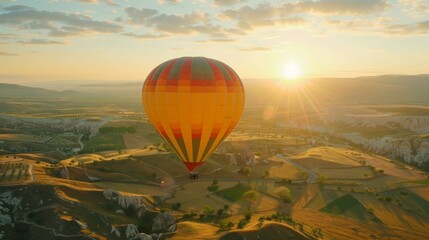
(194, 103)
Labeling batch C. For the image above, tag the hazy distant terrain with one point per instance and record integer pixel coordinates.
(85, 163)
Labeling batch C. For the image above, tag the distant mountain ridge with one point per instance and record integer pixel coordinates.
(384, 89)
(372, 90)
(8, 90)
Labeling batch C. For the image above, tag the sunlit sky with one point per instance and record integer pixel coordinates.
(124, 40)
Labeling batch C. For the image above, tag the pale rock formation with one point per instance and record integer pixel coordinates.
(164, 222)
(142, 236)
(131, 231)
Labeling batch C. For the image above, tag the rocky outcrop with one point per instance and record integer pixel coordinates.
(115, 232)
(131, 231)
(142, 236)
(142, 211)
(126, 202)
(164, 222)
(7, 204)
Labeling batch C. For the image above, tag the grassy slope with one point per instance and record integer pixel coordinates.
(348, 205)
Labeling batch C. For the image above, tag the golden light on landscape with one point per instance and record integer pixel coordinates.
(292, 71)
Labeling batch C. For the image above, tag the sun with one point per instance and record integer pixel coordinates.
(292, 71)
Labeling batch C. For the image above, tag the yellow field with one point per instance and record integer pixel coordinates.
(194, 195)
(383, 163)
(346, 173)
(394, 216)
(284, 170)
(324, 157)
(422, 191)
(15, 172)
(193, 230)
(134, 188)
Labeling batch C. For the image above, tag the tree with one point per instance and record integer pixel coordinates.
(176, 206)
(245, 171)
(284, 193)
(251, 196)
(219, 212)
(285, 181)
(208, 211)
(266, 174)
(213, 188)
(215, 181)
(225, 208)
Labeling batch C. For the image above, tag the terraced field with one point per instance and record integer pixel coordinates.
(15, 172)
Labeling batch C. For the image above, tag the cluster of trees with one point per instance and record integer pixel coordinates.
(245, 171)
(214, 186)
(117, 130)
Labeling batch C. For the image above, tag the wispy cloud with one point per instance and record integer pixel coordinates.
(226, 2)
(144, 36)
(289, 14)
(194, 22)
(340, 7)
(170, 1)
(39, 41)
(218, 40)
(255, 49)
(408, 29)
(89, 1)
(58, 24)
(417, 6)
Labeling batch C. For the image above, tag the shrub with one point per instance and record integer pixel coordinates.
(241, 224)
(219, 212)
(176, 206)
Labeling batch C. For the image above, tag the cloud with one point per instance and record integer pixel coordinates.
(89, 1)
(111, 3)
(108, 2)
(144, 36)
(16, 8)
(7, 54)
(169, 1)
(255, 49)
(226, 2)
(418, 6)
(195, 22)
(417, 28)
(139, 16)
(41, 42)
(218, 40)
(340, 7)
(58, 24)
(288, 14)
(7, 35)
(263, 14)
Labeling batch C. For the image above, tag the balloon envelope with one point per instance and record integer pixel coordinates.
(193, 103)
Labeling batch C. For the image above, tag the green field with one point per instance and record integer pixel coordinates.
(104, 142)
(117, 130)
(235, 193)
(349, 206)
(425, 181)
(408, 200)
